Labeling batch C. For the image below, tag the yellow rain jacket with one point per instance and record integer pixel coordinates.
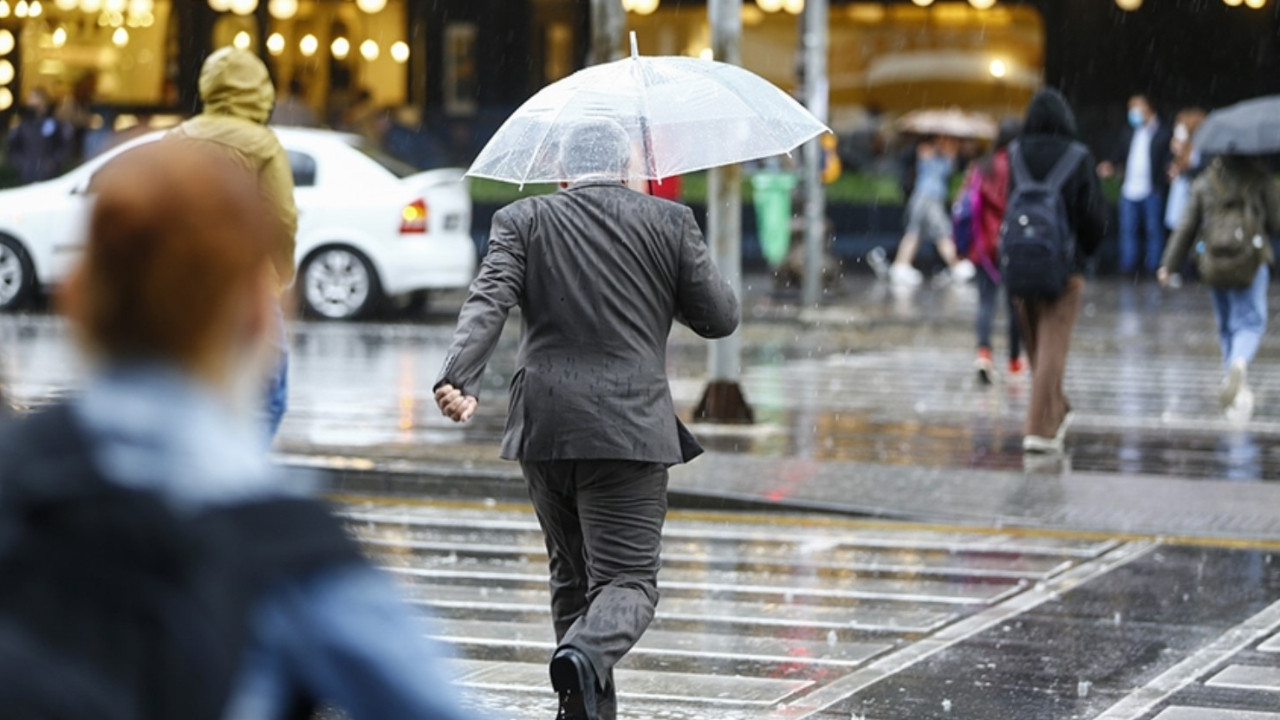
(238, 98)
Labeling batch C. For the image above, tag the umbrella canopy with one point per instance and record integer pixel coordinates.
(1248, 128)
(679, 115)
(951, 122)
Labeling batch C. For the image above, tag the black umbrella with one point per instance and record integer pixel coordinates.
(1248, 128)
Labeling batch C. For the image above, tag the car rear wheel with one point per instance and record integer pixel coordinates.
(339, 283)
(17, 277)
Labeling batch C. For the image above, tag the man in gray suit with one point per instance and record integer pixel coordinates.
(599, 272)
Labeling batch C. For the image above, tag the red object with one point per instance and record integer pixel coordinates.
(667, 188)
(993, 193)
(414, 217)
(1015, 366)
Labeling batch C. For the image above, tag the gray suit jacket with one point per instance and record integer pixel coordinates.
(599, 272)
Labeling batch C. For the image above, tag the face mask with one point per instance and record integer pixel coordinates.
(1180, 134)
(1136, 118)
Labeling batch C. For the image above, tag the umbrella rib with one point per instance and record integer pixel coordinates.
(524, 178)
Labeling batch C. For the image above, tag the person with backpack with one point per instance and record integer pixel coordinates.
(1055, 219)
(987, 199)
(154, 564)
(1232, 214)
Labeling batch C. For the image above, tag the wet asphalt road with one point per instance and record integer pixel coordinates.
(780, 615)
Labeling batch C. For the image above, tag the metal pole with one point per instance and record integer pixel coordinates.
(723, 400)
(816, 91)
(608, 20)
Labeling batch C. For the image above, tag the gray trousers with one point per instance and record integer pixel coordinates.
(603, 525)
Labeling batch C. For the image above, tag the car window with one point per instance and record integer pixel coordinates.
(304, 169)
(395, 166)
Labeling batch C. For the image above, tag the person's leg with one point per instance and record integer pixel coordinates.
(1153, 222)
(988, 294)
(1248, 317)
(906, 253)
(1015, 330)
(1051, 338)
(1222, 313)
(277, 390)
(550, 487)
(622, 506)
(1129, 211)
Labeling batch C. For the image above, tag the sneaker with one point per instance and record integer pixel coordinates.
(879, 263)
(1017, 366)
(1232, 383)
(905, 275)
(1241, 409)
(1041, 445)
(963, 271)
(985, 367)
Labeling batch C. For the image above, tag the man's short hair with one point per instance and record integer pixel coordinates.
(178, 232)
(595, 147)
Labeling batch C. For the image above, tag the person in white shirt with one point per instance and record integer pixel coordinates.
(1145, 158)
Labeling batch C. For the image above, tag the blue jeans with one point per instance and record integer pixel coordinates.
(277, 391)
(1242, 318)
(1149, 213)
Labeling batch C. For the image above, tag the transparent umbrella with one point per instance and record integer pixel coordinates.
(680, 115)
(952, 122)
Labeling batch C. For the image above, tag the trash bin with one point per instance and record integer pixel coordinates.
(772, 194)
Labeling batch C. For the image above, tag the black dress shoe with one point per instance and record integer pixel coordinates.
(575, 681)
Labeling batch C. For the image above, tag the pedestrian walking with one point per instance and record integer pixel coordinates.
(989, 200)
(599, 273)
(238, 97)
(1184, 166)
(40, 144)
(1055, 219)
(156, 565)
(292, 108)
(927, 217)
(1231, 217)
(1144, 155)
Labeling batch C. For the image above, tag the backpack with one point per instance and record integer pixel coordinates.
(1233, 235)
(1037, 244)
(114, 606)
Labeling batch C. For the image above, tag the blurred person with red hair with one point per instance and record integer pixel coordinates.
(155, 564)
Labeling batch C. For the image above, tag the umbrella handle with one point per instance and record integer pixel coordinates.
(635, 47)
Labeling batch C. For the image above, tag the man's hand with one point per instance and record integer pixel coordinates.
(454, 405)
(1106, 170)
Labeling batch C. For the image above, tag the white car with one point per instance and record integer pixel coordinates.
(370, 228)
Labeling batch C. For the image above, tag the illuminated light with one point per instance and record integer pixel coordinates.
(923, 3)
(707, 54)
(1233, 3)
(6, 98)
(371, 6)
(1131, 5)
(752, 15)
(998, 69)
(413, 219)
(369, 50)
(120, 37)
(147, 20)
(795, 7)
(400, 51)
(91, 6)
(983, 4)
(114, 19)
(220, 5)
(114, 6)
(244, 7)
(1256, 4)
(340, 47)
(67, 5)
(770, 6)
(308, 45)
(36, 9)
(20, 9)
(242, 41)
(8, 42)
(282, 9)
(59, 37)
(5, 11)
(140, 7)
(7, 72)
(275, 43)
(644, 7)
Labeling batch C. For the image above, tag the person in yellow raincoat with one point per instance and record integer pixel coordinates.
(238, 97)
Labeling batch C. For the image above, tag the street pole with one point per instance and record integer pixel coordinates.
(723, 401)
(608, 20)
(816, 91)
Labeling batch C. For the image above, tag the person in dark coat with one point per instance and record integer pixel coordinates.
(1049, 130)
(1144, 156)
(40, 144)
(599, 272)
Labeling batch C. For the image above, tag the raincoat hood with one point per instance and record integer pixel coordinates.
(236, 83)
(1049, 114)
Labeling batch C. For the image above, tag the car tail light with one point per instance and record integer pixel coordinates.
(413, 219)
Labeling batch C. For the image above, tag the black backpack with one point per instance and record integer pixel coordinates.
(1037, 244)
(1233, 233)
(112, 605)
